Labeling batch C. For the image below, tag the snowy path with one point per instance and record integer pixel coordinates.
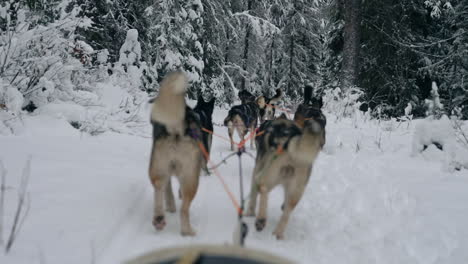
(91, 200)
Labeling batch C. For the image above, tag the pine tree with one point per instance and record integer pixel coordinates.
(174, 40)
(111, 19)
(351, 43)
(300, 43)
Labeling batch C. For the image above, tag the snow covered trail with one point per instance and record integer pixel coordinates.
(368, 201)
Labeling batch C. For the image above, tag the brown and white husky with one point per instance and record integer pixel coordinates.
(177, 140)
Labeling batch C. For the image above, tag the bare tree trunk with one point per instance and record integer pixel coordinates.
(352, 40)
(291, 59)
(246, 45)
(270, 62)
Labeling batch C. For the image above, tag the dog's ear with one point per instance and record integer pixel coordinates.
(261, 102)
(277, 97)
(212, 101)
(200, 98)
(317, 102)
(308, 89)
(211, 104)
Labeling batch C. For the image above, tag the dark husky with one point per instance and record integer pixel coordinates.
(285, 157)
(177, 137)
(311, 108)
(245, 96)
(244, 118)
(205, 112)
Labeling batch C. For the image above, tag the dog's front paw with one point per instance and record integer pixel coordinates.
(159, 222)
(188, 232)
(278, 235)
(260, 224)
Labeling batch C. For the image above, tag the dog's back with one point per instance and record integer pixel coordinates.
(275, 135)
(248, 112)
(283, 136)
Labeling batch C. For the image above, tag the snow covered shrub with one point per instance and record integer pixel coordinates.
(408, 112)
(432, 131)
(122, 96)
(47, 70)
(433, 105)
(343, 104)
(128, 72)
(441, 133)
(10, 98)
(39, 62)
(460, 126)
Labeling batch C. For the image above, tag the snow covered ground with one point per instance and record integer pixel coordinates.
(368, 200)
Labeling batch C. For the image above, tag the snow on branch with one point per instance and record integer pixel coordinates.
(259, 25)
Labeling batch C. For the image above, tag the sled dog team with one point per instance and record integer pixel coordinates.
(286, 149)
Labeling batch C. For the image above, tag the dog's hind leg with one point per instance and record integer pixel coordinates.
(170, 202)
(253, 191)
(159, 183)
(252, 199)
(230, 133)
(189, 189)
(254, 134)
(293, 193)
(210, 142)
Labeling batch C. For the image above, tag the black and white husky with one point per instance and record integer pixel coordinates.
(246, 116)
(285, 156)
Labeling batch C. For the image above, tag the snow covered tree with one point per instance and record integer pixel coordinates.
(300, 48)
(174, 42)
(401, 57)
(351, 43)
(213, 39)
(111, 19)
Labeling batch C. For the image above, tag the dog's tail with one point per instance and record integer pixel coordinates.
(308, 89)
(169, 106)
(277, 96)
(305, 148)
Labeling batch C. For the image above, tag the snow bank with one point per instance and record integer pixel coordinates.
(12, 98)
(431, 134)
(69, 111)
(92, 200)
